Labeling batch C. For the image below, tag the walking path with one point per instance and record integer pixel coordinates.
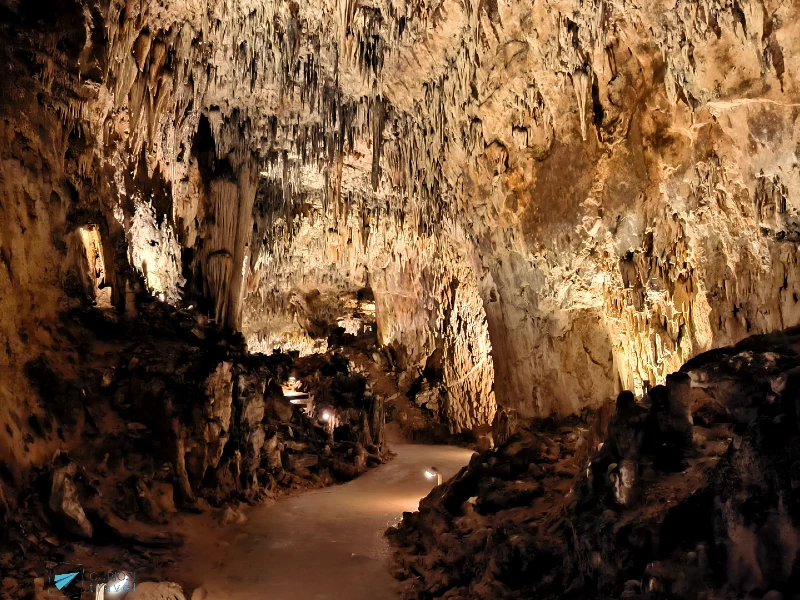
(322, 545)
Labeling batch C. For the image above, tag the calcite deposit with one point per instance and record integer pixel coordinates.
(527, 207)
(554, 200)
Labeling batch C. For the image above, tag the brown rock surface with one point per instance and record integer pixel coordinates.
(158, 420)
(579, 195)
(660, 511)
(524, 205)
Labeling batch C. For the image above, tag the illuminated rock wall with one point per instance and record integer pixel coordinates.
(595, 190)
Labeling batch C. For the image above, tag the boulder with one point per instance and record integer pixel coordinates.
(272, 452)
(231, 516)
(342, 470)
(279, 408)
(304, 461)
(485, 442)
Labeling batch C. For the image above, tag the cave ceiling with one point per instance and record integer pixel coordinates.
(562, 198)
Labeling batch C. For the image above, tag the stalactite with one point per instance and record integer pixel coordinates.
(219, 266)
(307, 93)
(580, 81)
(377, 140)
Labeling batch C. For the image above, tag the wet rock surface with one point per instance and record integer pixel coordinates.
(693, 493)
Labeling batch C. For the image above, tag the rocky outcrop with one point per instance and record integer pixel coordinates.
(693, 493)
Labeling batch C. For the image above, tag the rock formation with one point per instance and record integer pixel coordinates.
(694, 496)
(161, 414)
(527, 207)
(579, 195)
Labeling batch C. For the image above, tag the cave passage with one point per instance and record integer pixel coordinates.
(244, 243)
(325, 544)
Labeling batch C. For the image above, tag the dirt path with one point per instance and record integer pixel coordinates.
(322, 545)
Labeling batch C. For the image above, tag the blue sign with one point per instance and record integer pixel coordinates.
(63, 580)
(69, 581)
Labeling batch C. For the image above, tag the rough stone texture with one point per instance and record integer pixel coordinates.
(693, 495)
(161, 414)
(65, 503)
(149, 590)
(578, 195)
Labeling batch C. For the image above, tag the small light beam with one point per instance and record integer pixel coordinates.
(118, 585)
(434, 472)
(326, 416)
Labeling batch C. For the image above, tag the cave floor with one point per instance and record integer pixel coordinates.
(323, 544)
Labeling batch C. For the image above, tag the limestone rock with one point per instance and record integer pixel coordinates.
(544, 536)
(231, 515)
(279, 408)
(219, 397)
(64, 501)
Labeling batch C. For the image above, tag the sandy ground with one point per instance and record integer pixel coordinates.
(321, 545)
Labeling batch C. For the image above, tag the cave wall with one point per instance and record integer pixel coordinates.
(660, 219)
(612, 186)
(630, 178)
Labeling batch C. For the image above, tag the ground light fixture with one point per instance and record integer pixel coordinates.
(434, 472)
(118, 583)
(117, 587)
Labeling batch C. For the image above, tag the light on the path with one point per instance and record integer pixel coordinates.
(434, 472)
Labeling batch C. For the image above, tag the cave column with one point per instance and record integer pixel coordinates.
(248, 185)
(227, 245)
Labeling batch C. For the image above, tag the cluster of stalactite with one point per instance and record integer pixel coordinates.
(427, 299)
(585, 151)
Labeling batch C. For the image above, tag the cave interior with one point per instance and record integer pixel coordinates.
(255, 248)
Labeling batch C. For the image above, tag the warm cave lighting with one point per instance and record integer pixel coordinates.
(295, 395)
(162, 297)
(434, 472)
(326, 416)
(93, 247)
